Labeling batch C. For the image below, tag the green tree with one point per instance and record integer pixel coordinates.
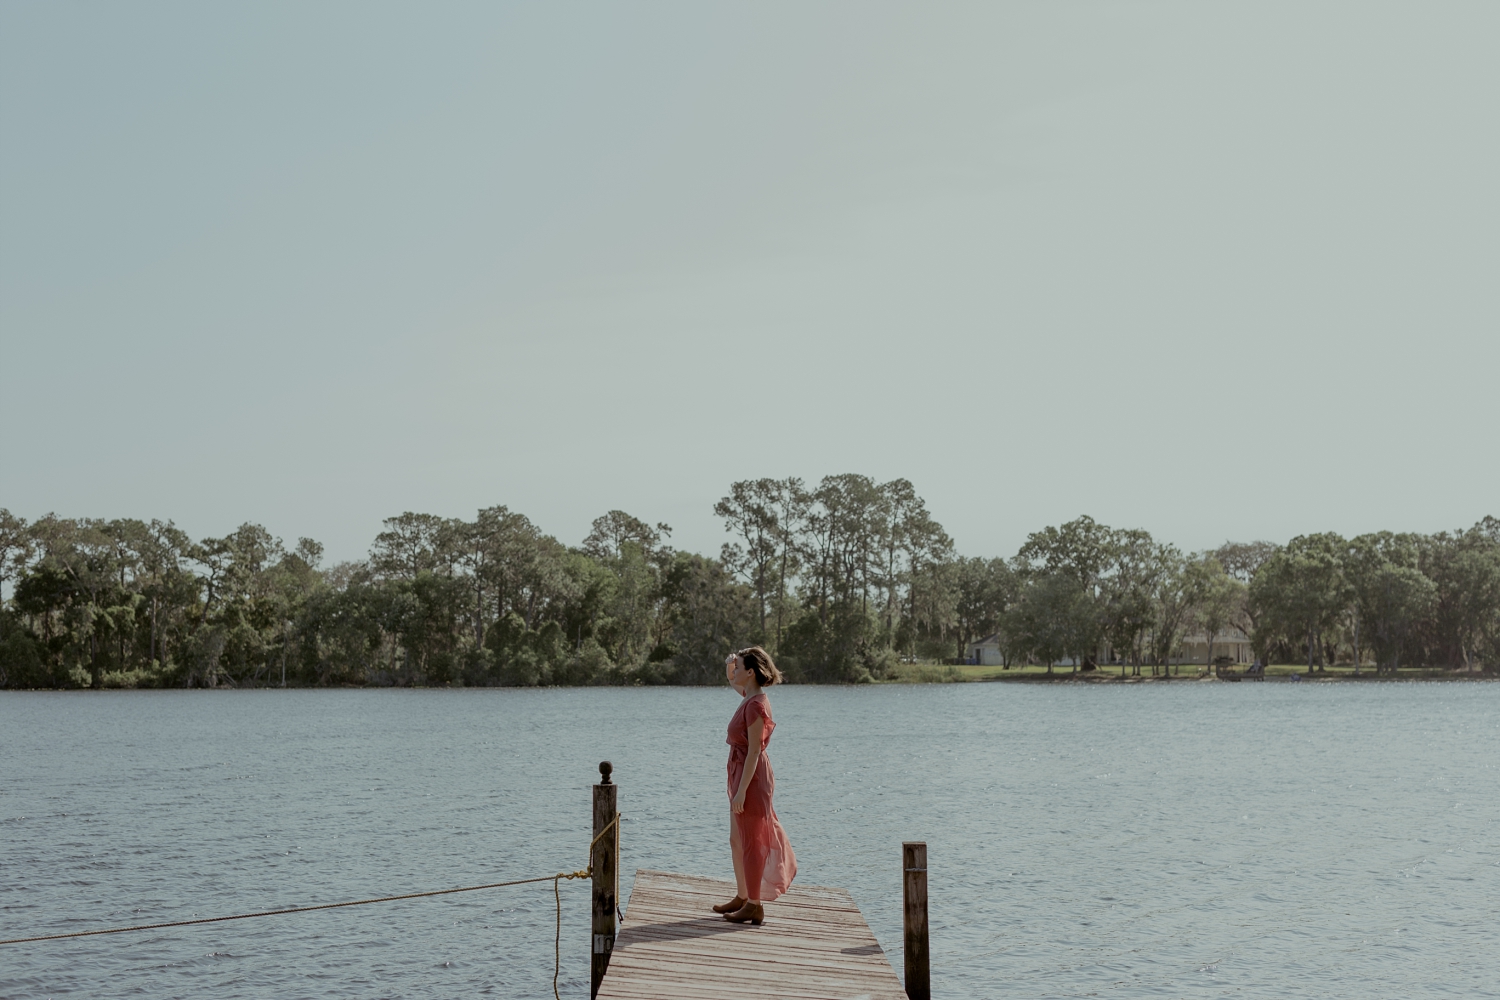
(408, 545)
(712, 615)
(15, 548)
(1300, 592)
(792, 507)
(1242, 560)
(1127, 594)
(611, 532)
(1464, 568)
(635, 620)
(498, 552)
(1219, 602)
(74, 592)
(344, 632)
(920, 562)
(1081, 549)
(751, 510)
(985, 590)
(22, 656)
(1181, 584)
(1390, 591)
(840, 546)
(167, 587)
(1113, 570)
(1052, 618)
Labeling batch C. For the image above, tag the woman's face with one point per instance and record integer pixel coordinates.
(737, 673)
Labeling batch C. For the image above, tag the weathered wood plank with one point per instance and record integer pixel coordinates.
(814, 945)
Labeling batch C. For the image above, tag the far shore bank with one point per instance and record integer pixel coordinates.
(1191, 673)
(918, 673)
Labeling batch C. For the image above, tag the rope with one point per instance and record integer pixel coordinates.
(581, 873)
(613, 824)
(556, 881)
(296, 909)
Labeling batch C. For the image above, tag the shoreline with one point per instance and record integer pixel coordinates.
(1281, 673)
(1092, 677)
(915, 675)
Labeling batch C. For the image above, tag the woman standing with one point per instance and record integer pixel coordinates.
(764, 864)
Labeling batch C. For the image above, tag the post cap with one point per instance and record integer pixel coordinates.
(605, 769)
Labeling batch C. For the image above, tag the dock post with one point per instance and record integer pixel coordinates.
(914, 898)
(605, 862)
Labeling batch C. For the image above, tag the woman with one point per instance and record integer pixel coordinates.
(764, 864)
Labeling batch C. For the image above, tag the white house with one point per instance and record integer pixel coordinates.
(1232, 642)
(985, 652)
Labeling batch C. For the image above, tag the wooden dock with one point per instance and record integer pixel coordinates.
(814, 945)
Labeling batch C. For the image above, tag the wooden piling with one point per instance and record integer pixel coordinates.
(605, 862)
(914, 898)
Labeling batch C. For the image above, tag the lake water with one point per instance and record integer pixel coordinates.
(1192, 840)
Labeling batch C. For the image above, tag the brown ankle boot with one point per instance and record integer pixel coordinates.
(731, 906)
(752, 912)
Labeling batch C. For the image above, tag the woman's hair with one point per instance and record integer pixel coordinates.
(759, 661)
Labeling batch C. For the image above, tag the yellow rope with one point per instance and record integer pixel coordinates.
(612, 824)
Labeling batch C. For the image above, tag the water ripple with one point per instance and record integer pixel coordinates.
(1193, 841)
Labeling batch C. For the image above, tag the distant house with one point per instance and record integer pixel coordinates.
(1232, 642)
(985, 652)
(1193, 648)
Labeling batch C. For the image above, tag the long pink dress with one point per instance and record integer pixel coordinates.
(768, 858)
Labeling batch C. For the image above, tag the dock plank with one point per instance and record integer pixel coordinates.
(814, 945)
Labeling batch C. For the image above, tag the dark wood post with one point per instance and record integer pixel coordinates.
(914, 897)
(605, 861)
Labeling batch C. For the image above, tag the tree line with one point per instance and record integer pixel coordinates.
(842, 581)
(1083, 591)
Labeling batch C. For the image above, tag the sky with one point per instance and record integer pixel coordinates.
(1221, 271)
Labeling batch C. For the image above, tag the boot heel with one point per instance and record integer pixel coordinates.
(750, 913)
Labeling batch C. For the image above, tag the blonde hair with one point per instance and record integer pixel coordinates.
(758, 661)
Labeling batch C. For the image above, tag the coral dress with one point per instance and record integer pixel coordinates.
(768, 858)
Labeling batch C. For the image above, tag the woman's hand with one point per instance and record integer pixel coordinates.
(738, 805)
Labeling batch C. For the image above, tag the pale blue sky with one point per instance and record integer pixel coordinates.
(1215, 270)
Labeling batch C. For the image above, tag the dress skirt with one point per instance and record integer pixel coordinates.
(768, 859)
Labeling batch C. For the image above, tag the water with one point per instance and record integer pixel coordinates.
(1195, 840)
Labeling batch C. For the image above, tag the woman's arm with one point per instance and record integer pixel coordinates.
(752, 760)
